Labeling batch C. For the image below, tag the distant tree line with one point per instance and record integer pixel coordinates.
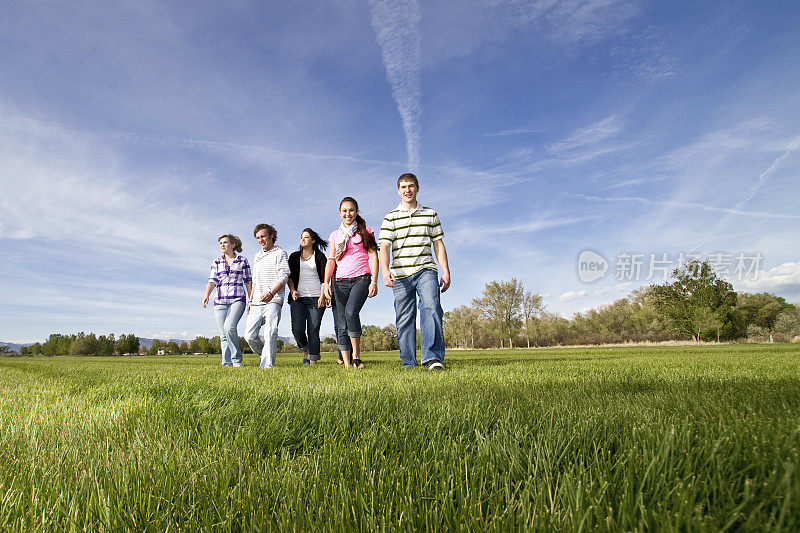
(695, 304)
(83, 344)
(91, 344)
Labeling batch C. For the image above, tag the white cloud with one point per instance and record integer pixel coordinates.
(572, 295)
(468, 231)
(693, 206)
(522, 131)
(396, 24)
(581, 20)
(66, 186)
(460, 28)
(782, 277)
(591, 134)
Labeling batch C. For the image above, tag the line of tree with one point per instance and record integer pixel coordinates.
(694, 304)
(83, 344)
(91, 344)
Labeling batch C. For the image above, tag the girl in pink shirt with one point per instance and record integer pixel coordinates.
(353, 256)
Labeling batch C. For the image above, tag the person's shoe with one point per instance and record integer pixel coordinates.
(306, 361)
(433, 364)
(237, 365)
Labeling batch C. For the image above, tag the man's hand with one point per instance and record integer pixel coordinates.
(266, 298)
(388, 278)
(295, 295)
(205, 301)
(444, 283)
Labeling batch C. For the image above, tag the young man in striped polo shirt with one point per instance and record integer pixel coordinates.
(407, 235)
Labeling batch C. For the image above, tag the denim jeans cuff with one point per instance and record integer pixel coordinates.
(354, 335)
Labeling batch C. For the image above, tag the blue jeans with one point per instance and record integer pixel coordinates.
(228, 317)
(306, 320)
(350, 295)
(425, 285)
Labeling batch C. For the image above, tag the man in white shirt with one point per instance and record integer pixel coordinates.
(270, 272)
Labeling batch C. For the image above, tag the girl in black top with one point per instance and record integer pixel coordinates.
(306, 300)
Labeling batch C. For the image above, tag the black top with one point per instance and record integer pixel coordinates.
(294, 268)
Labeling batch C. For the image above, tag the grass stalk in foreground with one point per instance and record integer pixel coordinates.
(622, 438)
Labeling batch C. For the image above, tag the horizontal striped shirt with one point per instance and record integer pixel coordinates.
(270, 268)
(230, 280)
(411, 233)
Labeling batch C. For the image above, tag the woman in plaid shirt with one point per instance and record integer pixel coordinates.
(230, 274)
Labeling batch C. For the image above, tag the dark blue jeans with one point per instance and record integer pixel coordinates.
(425, 286)
(350, 295)
(306, 320)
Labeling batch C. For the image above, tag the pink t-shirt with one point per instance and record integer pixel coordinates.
(355, 260)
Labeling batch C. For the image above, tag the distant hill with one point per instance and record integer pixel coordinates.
(147, 343)
(14, 347)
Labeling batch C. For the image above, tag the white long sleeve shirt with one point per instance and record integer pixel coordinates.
(269, 268)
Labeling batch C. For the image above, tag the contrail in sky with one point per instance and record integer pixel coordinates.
(396, 24)
(762, 178)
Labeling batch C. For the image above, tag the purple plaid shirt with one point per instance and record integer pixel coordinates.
(230, 280)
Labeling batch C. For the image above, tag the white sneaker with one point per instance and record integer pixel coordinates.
(433, 364)
(237, 365)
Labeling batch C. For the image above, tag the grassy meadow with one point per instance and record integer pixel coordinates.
(631, 438)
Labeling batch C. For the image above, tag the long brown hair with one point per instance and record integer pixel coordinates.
(367, 238)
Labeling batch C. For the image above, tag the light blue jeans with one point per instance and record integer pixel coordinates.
(228, 316)
(425, 285)
(267, 315)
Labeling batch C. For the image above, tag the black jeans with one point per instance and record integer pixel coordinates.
(350, 295)
(306, 320)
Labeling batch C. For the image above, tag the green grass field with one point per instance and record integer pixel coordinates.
(697, 438)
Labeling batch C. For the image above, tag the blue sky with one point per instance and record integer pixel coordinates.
(132, 134)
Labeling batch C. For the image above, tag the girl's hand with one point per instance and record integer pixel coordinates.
(295, 295)
(326, 291)
(373, 289)
(205, 301)
(321, 302)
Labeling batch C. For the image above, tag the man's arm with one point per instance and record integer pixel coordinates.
(388, 277)
(441, 256)
(282, 273)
